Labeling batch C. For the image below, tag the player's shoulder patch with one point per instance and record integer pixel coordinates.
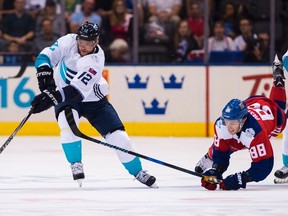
(249, 132)
(92, 71)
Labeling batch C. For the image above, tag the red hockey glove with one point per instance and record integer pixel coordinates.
(210, 179)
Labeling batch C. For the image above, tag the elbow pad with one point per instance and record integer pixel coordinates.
(72, 94)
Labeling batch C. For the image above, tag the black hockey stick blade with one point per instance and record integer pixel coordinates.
(77, 132)
(22, 68)
(16, 131)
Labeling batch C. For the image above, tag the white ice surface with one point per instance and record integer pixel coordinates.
(35, 180)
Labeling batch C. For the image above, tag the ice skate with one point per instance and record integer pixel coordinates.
(204, 163)
(78, 172)
(146, 179)
(278, 74)
(281, 175)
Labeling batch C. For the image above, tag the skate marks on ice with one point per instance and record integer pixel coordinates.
(35, 180)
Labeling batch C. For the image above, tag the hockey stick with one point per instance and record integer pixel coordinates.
(22, 69)
(77, 132)
(16, 131)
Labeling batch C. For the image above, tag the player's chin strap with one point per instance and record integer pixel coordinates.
(77, 132)
(242, 122)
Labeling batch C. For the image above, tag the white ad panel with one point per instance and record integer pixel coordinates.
(158, 94)
(17, 94)
(149, 93)
(228, 82)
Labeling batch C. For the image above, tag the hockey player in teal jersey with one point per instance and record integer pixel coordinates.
(69, 74)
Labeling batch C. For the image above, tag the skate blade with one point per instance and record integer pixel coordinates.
(79, 181)
(276, 60)
(281, 180)
(154, 186)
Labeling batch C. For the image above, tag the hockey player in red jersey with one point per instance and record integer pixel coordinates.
(247, 124)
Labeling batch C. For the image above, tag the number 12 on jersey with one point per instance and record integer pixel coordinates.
(85, 77)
